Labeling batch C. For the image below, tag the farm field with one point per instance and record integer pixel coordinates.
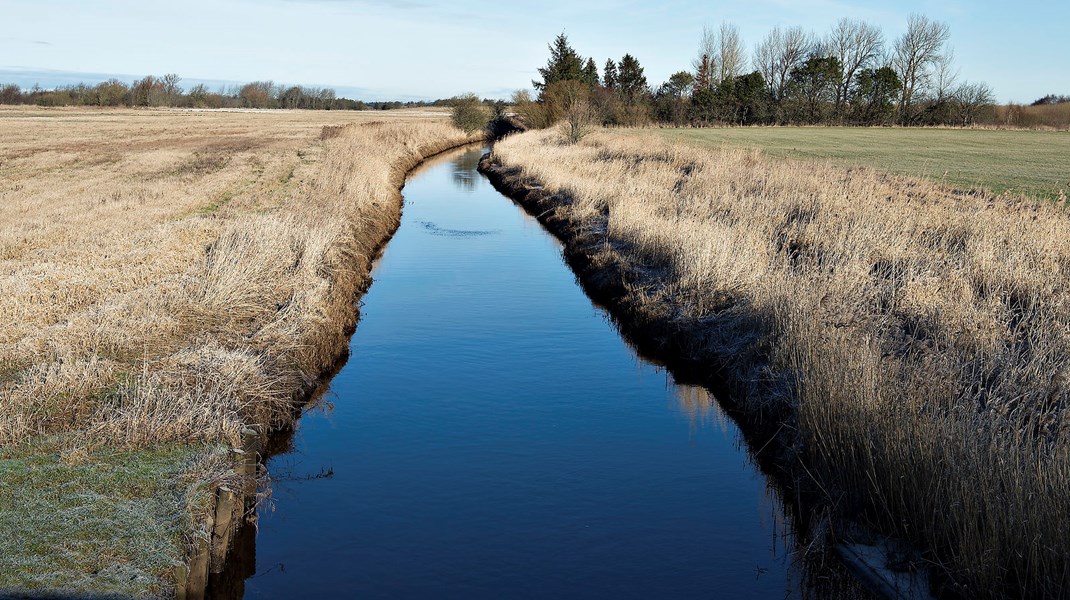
(170, 279)
(1035, 163)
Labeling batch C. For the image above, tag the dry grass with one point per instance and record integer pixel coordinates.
(1048, 116)
(914, 340)
(178, 276)
(167, 280)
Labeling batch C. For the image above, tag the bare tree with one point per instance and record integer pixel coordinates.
(721, 55)
(169, 86)
(572, 100)
(326, 97)
(916, 51)
(970, 99)
(467, 113)
(732, 55)
(858, 45)
(144, 92)
(779, 54)
(764, 59)
(945, 75)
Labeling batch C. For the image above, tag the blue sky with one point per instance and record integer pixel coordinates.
(377, 49)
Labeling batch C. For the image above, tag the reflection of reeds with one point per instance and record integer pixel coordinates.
(198, 281)
(700, 406)
(917, 338)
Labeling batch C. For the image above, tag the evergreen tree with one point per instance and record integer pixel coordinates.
(590, 73)
(703, 106)
(679, 84)
(671, 99)
(704, 74)
(813, 85)
(564, 65)
(875, 95)
(609, 78)
(743, 99)
(631, 82)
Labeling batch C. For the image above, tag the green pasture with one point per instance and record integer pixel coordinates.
(1034, 163)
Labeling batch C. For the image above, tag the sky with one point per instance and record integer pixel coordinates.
(417, 49)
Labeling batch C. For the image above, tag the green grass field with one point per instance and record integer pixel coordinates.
(1035, 163)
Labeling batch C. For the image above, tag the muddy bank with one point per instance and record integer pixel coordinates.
(722, 353)
(230, 522)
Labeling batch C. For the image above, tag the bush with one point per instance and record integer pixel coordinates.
(570, 102)
(468, 113)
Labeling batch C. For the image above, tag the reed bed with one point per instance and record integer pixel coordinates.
(174, 276)
(909, 342)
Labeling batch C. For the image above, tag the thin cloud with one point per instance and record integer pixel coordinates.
(400, 4)
(24, 41)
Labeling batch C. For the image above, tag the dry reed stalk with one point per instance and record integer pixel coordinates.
(914, 338)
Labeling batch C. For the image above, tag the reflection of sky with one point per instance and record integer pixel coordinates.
(492, 436)
(414, 48)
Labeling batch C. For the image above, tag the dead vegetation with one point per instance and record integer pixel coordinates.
(200, 279)
(168, 280)
(910, 342)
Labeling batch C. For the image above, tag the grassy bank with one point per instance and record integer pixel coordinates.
(1028, 162)
(115, 521)
(171, 279)
(906, 343)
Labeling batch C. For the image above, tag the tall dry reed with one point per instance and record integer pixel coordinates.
(912, 340)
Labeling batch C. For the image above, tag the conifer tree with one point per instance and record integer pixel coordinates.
(703, 74)
(609, 74)
(590, 73)
(564, 65)
(631, 82)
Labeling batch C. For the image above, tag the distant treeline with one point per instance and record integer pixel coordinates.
(849, 76)
(166, 91)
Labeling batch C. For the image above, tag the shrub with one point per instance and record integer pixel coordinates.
(468, 113)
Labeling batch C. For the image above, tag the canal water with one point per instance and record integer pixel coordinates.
(492, 436)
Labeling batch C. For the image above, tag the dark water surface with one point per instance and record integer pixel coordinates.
(493, 437)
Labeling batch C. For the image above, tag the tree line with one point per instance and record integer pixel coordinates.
(851, 75)
(165, 91)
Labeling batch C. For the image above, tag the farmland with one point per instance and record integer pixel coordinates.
(1027, 162)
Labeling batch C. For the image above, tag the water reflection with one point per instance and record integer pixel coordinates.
(700, 405)
(465, 170)
(493, 436)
